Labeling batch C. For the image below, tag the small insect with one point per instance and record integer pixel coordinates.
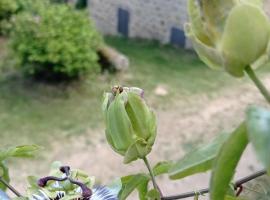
(117, 89)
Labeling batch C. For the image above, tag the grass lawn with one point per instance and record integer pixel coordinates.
(200, 104)
(38, 113)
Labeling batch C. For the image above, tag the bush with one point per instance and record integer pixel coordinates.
(81, 4)
(30, 5)
(54, 41)
(59, 1)
(7, 8)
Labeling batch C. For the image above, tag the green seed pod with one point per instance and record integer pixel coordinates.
(229, 34)
(130, 124)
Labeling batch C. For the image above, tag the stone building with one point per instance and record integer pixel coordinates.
(160, 20)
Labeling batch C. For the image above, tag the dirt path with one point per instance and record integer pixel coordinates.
(185, 125)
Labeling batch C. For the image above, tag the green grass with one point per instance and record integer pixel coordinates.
(34, 112)
(177, 68)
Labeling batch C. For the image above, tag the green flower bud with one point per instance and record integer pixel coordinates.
(229, 34)
(130, 124)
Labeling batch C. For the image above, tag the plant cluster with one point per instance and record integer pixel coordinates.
(55, 41)
(50, 40)
(231, 35)
(7, 8)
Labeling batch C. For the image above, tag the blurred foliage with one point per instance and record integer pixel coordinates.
(81, 4)
(58, 1)
(7, 8)
(54, 41)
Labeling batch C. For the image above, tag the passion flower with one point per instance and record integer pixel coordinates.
(70, 184)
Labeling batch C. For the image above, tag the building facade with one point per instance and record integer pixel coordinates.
(161, 20)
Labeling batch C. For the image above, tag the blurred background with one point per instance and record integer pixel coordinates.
(58, 57)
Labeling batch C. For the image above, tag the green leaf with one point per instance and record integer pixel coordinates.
(199, 160)
(226, 162)
(258, 127)
(162, 168)
(233, 198)
(4, 174)
(153, 195)
(19, 151)
(142, 189)
(258, 3)
(32, 181)
(139, 149)
(130, 183)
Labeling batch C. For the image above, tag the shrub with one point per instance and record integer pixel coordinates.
(54, 41)
(30, 5)
(59, 1)
(7, 8)
(81, 4)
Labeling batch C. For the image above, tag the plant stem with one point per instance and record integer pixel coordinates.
(258, 83)
(12, 189)
(152, 175)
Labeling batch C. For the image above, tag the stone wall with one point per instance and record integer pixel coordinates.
(161, 20)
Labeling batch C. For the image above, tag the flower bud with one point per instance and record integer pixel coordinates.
(229, 34)
(130, 124)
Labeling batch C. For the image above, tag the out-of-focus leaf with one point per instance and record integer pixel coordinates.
(209, 55)
(162, 168)
(130, 183)
(142, 189)
(19, 151)
(199, 160)
(226, 162)
(32, 181)
(258, 3)
(4, 174)
(153, 195)
(233, 198)
(258, 128)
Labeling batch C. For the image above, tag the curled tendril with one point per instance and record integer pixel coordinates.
(86, 192)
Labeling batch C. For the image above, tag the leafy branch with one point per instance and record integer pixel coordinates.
(237, 184)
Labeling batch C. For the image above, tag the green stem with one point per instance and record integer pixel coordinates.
(152, 175)
(258, 83)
